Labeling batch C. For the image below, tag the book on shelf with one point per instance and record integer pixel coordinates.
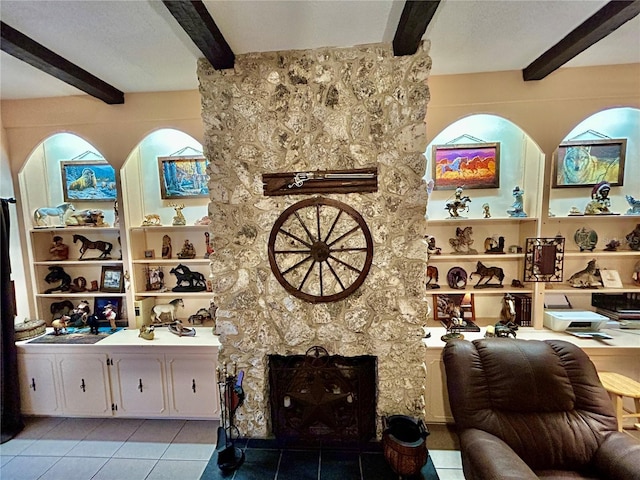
(523, 309)
(619, 315)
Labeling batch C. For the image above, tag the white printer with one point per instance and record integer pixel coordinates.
(574, 320)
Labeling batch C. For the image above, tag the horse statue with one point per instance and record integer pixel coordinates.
(104, 247)
(166, 308)
(459, 204)
(463, 241)
(195, 281)
(432, 275)
(487, 273)
(508, 312)
(57, 274)
(61, 211)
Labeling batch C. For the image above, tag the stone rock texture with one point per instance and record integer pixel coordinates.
(324, 109)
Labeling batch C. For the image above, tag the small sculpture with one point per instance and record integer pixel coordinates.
(612, 246)
(633, 204)
(94, 324)
(188, 250)
(87, 218)
(486, 213)
(57, 274)
(587, 277)
(208, 245)
(79, 316)
(455, 322)
(59, 326)
(170, 309)
(79, 284)
(195, 280)
(574, 211)
(151, 220)
(488, 273)
(517, 208)
(147, 332)
(508, 312)
(500, 330)
(201, 316)
(458, 203)
(432, 274)
(636, 273)
(586, 239)
(600, 202)
(116, 220)
(178, 329)
(61, 211)
(167, 250)
(491, 245)
(432, 249)
(59, 251)
(463, 241)
(457, 278)
(203, 221)
(104, 247)
(110, 314)
(178, 219)
(60, 309)
(633, 238)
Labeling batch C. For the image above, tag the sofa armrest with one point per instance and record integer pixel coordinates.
(486, 457)
(618, 457)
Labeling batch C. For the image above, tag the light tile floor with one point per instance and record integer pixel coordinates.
(54, 448)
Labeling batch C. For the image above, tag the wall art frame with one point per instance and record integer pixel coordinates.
(100, 303)
(88, 181)
(544, 259)
(112, 279)
(585, 163)
(467, 308)
(183, 177)
(475, 165)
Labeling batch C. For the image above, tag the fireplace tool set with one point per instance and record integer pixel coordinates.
(232, 396)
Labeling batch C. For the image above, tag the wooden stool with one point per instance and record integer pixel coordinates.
(619, 387)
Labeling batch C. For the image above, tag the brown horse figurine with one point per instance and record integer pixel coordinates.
(432, 274)
(104, 247)
(488, 273)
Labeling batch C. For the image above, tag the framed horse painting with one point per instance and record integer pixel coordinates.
(474, 165)
(461, 305)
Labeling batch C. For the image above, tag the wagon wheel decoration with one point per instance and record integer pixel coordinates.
(320, 250)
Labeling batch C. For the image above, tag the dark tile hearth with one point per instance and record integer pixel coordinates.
(270, 459)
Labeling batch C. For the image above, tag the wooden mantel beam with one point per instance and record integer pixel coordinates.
(414, 21)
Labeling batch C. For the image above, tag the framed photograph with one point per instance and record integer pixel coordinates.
(149, 254)
(475, 165)
(183, 177)
(586, 163)
(445, 305)
(112, 279)
(88, 181)
(100, 303)
(155, 278)
(611, 278)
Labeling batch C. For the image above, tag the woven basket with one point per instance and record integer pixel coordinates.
(29, 329)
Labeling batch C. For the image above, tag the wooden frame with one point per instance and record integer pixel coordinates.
(88, 181)
(586, 163)
(112, 279)
(149, 254)
(100, 302)
(467, 308)
(475, 165)
(183, 177)
(154, 278)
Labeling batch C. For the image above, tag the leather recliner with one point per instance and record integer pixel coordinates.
(527, 409)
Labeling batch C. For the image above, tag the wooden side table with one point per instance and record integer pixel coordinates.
(619, 387)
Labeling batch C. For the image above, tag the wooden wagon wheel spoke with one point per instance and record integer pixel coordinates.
(316, 285)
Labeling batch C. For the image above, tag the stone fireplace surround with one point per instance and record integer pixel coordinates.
(302, 111)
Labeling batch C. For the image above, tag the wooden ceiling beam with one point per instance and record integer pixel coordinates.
(19, 45)
(605, 21)
(195, 19)
(414, 21)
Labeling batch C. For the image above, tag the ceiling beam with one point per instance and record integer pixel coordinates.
(194, 18)
(17, 44)
(605, 21)
(414, 20)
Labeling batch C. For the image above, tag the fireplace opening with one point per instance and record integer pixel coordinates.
(318, 396)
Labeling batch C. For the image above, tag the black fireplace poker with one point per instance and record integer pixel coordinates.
(232, 396)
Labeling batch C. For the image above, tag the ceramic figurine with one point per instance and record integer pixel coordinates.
(486, 213)
(116, 218)
(457, 278)
(634, 205)
(57, 274)
(201, 316)
(87, 218)
(147, 332)
(458, 203)
(178, 219)
(633, 238)
(151, 220)
(203, 221)
(208, 245)
(188, 250)
(110, 314)
(600, 202)
(463, 241)
(79, 316)
(432, 275)
(587, 277)
(636, 273)
(586, 238)
(488, 273)
(59, 326)
(574, 211)
(167, 250)
(195, 281)
(61, 212)
(491, 245)
(432, 249)
(86, 244)
(455, 322)
(517, 208)
(59, 251)
(178, 329)
(612, 246)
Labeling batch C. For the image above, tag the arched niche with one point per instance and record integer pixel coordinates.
(520, 163)
(613, 124)
(141, 178)
(51, 168)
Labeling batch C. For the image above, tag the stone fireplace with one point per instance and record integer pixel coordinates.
(301, 111)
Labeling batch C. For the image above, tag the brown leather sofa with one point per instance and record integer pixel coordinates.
(532, 409)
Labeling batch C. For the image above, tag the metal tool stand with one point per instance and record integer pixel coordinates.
(232, 396)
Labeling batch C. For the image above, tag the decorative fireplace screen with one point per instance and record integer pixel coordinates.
(321, 397)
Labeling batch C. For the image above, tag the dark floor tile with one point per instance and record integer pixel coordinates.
(299, 465)
(259, 464)
(339, 465)
(375, 467)
(268, 443)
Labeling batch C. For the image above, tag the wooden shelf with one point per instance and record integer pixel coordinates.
(169, 228)
(471, 221)
(174, 294)
(172, 261)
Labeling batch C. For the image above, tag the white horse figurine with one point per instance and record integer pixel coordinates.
(61, 211)
(170, 308)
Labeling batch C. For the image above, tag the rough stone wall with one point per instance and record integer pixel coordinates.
(302, 111)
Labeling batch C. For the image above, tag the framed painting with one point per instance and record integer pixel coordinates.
(112, 279)
(100, 304)
(586, 163)
(474, 165)
(183, 177)
(445, 305)
(88, 181)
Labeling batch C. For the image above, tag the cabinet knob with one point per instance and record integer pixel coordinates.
(33, 384)
(193, 385)
(140, 385)
(83, 386)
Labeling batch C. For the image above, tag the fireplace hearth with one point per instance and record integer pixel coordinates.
(318, 396)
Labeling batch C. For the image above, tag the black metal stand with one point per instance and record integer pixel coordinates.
(232, 396)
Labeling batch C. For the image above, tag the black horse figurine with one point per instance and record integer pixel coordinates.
(488, 273)
(104, 247)
(195, 281)
(57, 274)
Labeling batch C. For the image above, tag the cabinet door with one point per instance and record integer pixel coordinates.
(85, 384)
(194, 391)
(38, 392)
(437, 401)
(138, 385)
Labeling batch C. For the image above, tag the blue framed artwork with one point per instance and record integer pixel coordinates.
(183, 177)
(88, 181)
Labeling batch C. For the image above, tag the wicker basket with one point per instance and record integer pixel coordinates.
(404, 444)
(29, 329)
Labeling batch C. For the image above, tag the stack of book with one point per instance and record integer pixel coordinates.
(624, 308)
(523, 309)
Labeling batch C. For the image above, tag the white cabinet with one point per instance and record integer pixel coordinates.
(38, 386)
(194, 391)
(138, 385)
(84, 382)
